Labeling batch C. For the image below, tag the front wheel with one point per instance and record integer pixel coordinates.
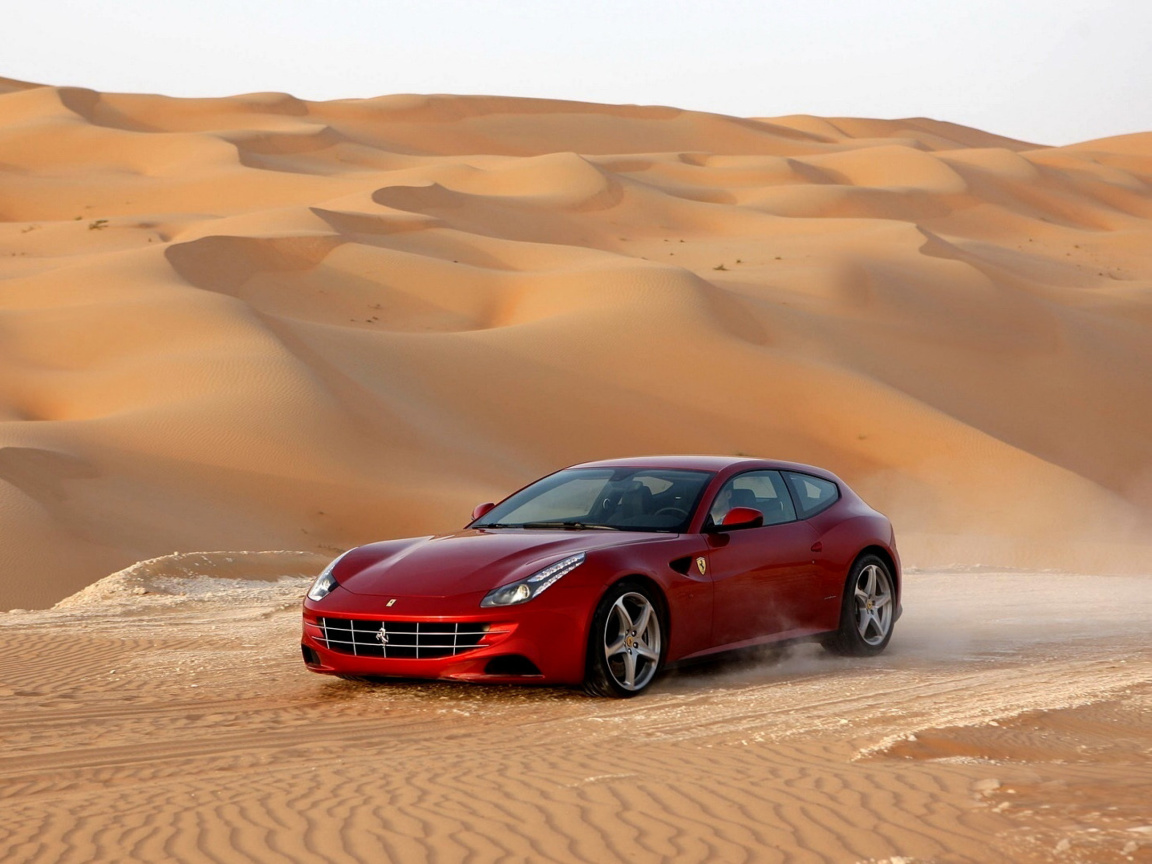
(625, 647)
(867, 611)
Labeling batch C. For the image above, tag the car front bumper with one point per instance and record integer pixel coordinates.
(537, 642)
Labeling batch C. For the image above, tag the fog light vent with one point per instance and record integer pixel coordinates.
(511, 665)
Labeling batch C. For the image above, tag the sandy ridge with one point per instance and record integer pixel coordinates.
(264, 323)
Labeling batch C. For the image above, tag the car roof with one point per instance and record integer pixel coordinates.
(703, 463)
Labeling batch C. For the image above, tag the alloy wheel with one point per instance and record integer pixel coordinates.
(632, 641)
(873, 604)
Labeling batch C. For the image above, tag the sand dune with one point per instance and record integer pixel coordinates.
(175, 722)
(264, 323)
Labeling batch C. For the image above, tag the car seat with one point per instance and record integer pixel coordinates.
(743, 498)
(635, 501)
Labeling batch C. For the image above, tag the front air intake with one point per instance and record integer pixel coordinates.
(401, 640)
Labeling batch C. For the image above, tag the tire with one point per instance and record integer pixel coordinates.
(867, 610)
(626, 646)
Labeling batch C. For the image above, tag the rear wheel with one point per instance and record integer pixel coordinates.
(626, 645)
(867, 611)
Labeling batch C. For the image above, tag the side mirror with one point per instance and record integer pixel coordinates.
(741, 517)
(481, 509)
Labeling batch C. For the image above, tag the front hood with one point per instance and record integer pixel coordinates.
(469, 561)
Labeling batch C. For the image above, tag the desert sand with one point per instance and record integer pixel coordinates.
(262, 323)
(163, 714)
(257, 323)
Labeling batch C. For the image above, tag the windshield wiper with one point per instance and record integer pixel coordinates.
(571, 526)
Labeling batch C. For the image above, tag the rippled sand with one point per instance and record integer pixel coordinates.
(165, 715)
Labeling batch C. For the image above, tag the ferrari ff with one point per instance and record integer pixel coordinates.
(604, 573)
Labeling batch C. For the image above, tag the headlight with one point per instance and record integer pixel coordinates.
(534, 585)
(325, 582)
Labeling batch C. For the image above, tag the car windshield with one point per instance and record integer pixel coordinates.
(622, 499)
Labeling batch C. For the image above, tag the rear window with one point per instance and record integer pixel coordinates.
(812, 494)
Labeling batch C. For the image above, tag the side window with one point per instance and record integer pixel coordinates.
(812, 494)
(760, 490)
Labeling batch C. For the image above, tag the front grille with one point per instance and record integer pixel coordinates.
(409, 640)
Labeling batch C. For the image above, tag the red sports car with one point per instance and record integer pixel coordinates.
(603, 573)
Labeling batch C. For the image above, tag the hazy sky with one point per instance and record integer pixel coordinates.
(1049, 71)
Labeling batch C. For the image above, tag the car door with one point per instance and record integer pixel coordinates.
(757, 575)
(761, 576)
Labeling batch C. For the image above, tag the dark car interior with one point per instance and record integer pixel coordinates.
(655, 499)
(632, 503)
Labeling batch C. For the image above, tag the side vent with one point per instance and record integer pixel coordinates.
(681, 565)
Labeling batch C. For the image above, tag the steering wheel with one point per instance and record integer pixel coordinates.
(671, 511)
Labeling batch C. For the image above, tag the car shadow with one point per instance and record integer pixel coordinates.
(766, 664)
